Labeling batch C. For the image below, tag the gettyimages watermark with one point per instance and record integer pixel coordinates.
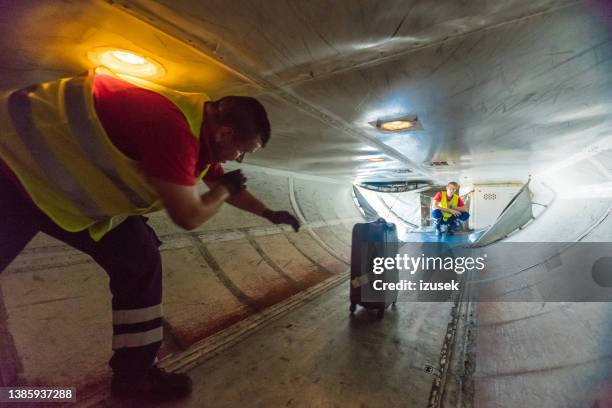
(502, 272)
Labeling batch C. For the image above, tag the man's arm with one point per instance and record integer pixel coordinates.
(437, 206)
(185, 206)
(243, 200)
(247, 202)
(454, 211)
(461, 206)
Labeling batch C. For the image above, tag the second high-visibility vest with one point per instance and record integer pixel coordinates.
(443, 203)
(52, 139)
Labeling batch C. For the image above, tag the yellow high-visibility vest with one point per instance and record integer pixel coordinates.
(52, 139)
(444, 204)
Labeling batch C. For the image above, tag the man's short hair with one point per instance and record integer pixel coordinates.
(244, 114)
(454, 183)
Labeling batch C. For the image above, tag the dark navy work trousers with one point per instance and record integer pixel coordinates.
(129, 254)
(438, 219)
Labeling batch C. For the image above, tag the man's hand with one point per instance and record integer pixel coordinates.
(234, 181)
(282, 217)
(455, 212)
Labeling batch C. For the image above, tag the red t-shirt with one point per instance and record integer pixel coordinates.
(438, 197)
(150, 129)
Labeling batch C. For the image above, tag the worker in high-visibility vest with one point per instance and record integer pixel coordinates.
(449, 209)
(82, 159)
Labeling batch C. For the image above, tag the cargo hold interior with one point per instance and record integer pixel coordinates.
(507, 94)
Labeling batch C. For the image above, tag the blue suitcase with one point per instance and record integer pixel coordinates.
(371, 240)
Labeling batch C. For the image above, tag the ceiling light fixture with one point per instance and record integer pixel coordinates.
(128, 57)
(126, 62)
(398, 124)
(438, 163)
(376, 159)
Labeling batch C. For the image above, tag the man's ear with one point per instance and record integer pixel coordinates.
(223, 134)
(226, 132)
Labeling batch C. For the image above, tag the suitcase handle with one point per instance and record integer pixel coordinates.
(387, 225)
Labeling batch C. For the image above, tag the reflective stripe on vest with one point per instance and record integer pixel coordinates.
(82, 129)
(444, 204)
(55, 144)
(19, 107)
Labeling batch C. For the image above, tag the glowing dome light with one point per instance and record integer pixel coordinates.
(126, 62)
(128, 57)
(376, 159)
(396, 125)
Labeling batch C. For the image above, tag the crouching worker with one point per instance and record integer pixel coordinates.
(82, 159)
(449, 209)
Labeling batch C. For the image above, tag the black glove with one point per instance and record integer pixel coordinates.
(282, 217)
(234, 181)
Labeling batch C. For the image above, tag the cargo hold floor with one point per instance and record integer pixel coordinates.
(320, 356)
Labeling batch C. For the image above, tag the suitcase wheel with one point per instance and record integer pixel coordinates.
(381, 313)
(353, 307)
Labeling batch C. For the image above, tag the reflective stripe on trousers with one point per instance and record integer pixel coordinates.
(137, 327)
